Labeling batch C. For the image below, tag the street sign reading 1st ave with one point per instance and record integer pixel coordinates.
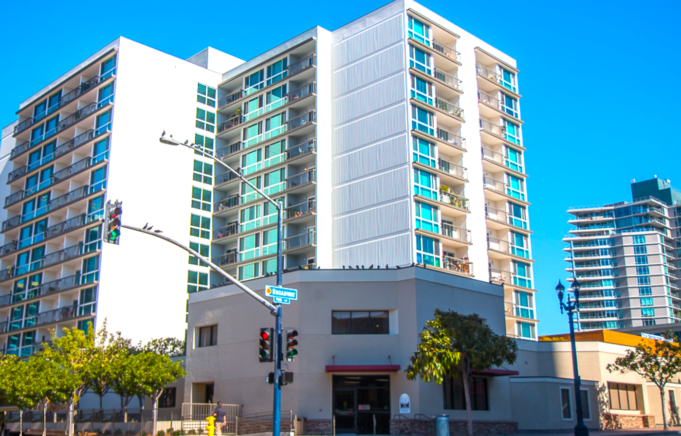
(281, 295)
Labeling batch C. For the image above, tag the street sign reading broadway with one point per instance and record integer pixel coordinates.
(281, 295)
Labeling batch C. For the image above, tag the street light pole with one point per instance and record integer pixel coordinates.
(278, 350)
(570, 307)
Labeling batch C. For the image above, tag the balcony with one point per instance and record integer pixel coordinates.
(231, 98)
(307, 147)
(44, 289)
(56, 203)
(492, 106)
(224, 178)
(504, 250)
(447, 51)
(229, 124)
(227, 231)
(500, 219)
(226, 259)
(461, 266)
(449, 108)
(457, 236)
(301, 179)
(301, 241)
(56, 178)
(228, 203)
(448, 79)
(50, 317)
(519, 311)
(301, 210)
(62, 125)
(452, 169)
(51, 259)
(494, 80)
(454, 200)
(499, 275)
(67, 98)
(228, 150)
(499, 159)
(51, 232)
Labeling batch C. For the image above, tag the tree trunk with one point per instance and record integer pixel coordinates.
(664, 408)
(100, 402)
(466, 390)
(69, 418)
(154, 416)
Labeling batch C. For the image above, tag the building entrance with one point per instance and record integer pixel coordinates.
(359, 401)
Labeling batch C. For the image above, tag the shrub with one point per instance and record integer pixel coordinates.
(192, 432)
(160, 433)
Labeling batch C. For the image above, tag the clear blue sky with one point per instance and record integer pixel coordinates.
(599, 81)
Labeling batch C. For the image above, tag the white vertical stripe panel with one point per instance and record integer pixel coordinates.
(372, 159)
(367, 42)
(369, 99)
(373, 128)
(371, 191)
(368, 70)
(394, 250)
(372, 223)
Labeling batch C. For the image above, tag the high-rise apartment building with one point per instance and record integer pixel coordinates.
(626, 258)
(393, 140)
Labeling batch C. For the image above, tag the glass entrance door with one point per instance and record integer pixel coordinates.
(360, 403)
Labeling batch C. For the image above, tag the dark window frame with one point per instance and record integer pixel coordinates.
(621, 394)
(454, 397)
(364, 325)
(167, 398)
(212, 336)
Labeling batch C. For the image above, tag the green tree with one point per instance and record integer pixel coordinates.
(656, 361)
(100, 370)
(127, 378)
(171, 347)
(157, 371)
(455, 345)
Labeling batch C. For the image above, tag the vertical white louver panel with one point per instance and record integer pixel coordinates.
(382, 94)
(367, 42)
(392, 250)
(375, 67)
(371, 223)
(374, 190)
(374, 158)
(372, 128)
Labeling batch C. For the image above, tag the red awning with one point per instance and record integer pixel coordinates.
(496, 372)
(362, 368)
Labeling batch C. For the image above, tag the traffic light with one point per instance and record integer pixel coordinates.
(265, 344)
(112, 221)
(291, 344)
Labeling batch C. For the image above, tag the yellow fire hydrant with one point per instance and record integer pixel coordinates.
(210, 428)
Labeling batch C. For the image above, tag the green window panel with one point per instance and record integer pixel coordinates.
(203, 172)
(196, 281)
(199, 226)
(203, 250)
(277, 71)
(201, 199)
(206, 142)
(206, 95)
(205, 120)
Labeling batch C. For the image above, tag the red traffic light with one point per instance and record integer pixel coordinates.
(264, 335)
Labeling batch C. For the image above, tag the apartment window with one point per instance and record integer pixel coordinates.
(520, 245)
(100, 151)
(419, 31)
(253, 108)
(521, 274)
(251, 162)
(509, 105)
(360, 322)
(641, 260)
(648, 313)
(645, 291)
(23, 316)
(515, 187)
(424, 152)
(427, 217)
(51, 126)
(454, 396)
(639, 239)
(640, 249)
(420, 60)
(513, 159)
(643, 280)
(248, 193)
(425, 184)
(208, 336)
(105, 95)
(250, 218)
(275, 125)
(524, 306)
(277, 71)
(90, 271)
(39, 110)
(565, 404)
(86, 301)
(203, 172)
(197, 281)
(205, 120)
(103, 123)
(274, 182)
(269, 266)
(205, 95)
(642, 270)
(422, 120)
(648, 322)
(254, 82)
(270, 212)
(525, 330)
(252, 134)
(167, 398)
(517, 215)
(201, 199)
(275, 98)
(249, 271)
(427, 250)
(207, 143)
(512, 133)
(508, 80)
(249, 247)
(199, 226)
(203, 250)
(269, 242)
(622, 396)
(421, 90)
(107, 68)
(274, 153)
(646, 302)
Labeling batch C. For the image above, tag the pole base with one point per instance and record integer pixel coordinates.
(581, 430)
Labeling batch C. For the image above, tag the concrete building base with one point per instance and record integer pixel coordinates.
(456, 427)
(615, 421)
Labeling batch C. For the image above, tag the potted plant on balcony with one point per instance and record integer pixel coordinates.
(444, 188)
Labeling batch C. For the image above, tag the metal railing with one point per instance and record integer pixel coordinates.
(227, 258)
(300, 179)
(302, 64)
(454, 200)
(452, 168)
(305, 239)
(42, 289)
(494, 129)
(494, 184)
(448, 107)
(301, 120)
(485, 72)
(298, 93)
(447, 79)
(499, 158)
(49, 233)
(225, 151)
(306, 147)
(49, 317)
(460, 234)
(451, 138)
(499, 275)
(225, 177)
(230, 123)
(463, 266)
(446, 50)
(301, 209)
(227, 203)
(194, 416)
(489, 100)
(231, 98)
(228, 230)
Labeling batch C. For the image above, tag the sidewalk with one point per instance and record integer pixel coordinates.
(673, 431)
